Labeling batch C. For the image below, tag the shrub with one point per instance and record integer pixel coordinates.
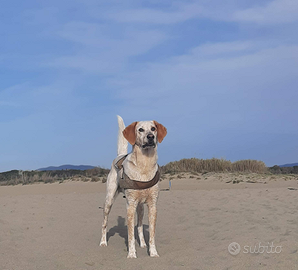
(195, 165)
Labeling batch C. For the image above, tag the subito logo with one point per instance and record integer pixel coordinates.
(234, 248)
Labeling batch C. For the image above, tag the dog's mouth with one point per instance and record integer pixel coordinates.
(148, 145)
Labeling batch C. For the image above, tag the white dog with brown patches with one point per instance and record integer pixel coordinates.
(137, 175)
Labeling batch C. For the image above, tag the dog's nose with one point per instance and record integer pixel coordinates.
(150, 137)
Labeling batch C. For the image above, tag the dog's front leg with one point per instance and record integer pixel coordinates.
(140, 211)
(131, 209)
(152, 223)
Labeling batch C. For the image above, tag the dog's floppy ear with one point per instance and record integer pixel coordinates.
(161, 131)
(129, 133)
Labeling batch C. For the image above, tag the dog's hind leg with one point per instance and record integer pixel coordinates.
(140, 211)
(112, 192)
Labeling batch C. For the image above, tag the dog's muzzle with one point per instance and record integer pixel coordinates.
(149, 145)
(150, 141)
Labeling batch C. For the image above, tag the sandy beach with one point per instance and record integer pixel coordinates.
(58, 226)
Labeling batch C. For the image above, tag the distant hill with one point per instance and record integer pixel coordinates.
(67, 167)
(289, 165)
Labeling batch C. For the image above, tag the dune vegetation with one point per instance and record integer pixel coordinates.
(193, 165)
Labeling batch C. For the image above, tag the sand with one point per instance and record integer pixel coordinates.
(58, 226)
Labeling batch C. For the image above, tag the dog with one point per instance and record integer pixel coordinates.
(136, 175)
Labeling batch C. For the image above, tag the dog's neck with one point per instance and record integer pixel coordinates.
(144, 159)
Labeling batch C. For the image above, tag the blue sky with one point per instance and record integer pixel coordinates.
(222, 76)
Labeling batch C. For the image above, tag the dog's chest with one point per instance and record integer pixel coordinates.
(142, 196)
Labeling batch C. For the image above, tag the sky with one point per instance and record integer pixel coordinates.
(222, 76)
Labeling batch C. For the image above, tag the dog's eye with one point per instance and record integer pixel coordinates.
(153, 129)
(141, 130)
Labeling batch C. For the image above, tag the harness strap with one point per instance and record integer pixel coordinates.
(126, 183)
(118, 164)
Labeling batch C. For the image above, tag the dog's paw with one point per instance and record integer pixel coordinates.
(143, 244)
(132, 256)
(153, 252)
(154, 255)
(103, 243)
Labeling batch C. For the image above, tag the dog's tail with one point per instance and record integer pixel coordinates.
(122, 142)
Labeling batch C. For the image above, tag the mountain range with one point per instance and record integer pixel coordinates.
(67, 167)
(289, 165)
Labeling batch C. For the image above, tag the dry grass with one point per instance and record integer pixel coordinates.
(195, 165)
(16, 177)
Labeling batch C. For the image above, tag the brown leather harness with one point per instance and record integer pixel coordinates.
(126, 183)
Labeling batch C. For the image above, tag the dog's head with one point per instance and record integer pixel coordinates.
(145, 134)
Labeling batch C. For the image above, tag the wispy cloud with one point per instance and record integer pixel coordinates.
(275, 12)
(102, 52)
(217, 49)
(178, 13)
(268, 12)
